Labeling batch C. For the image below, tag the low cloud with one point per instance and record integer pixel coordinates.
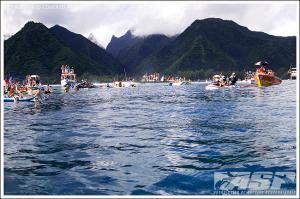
(105, 19)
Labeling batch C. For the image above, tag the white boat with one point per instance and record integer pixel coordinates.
(66, 81)
(247, 81)
(293, 73)
(68, 77)
(216, 83)
(122, 84)
(179, 83)
(249, 78)
(215, 87)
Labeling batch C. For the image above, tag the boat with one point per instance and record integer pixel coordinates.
(151, 78)
(68, 77)
(12, 99)
(215, 87)
(179, 82)
(34, 82)
(122, 84)
(249, 78)
(216, 82)
(292, 72)
(265, 77)
(85, 84)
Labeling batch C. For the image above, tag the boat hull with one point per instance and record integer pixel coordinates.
(64, 82)
(215, 87)
(11, 99)
(179, 83)
(267, 80)
(124, 84)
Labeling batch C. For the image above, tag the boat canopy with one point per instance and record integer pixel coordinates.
(261, 63)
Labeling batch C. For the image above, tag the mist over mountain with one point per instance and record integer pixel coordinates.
(92, 38)
(118, 43)
(209, 46)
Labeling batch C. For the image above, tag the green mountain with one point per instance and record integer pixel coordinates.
(37, 50)
(206, 47)
(213, 45)
(118, 43)
(134, 54)
(87, 48)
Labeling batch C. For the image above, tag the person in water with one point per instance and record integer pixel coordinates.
(67, 88)
(48, 89)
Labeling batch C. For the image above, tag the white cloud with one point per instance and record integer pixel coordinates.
(115, 18)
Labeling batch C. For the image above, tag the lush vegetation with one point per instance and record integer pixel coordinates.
(211, 46)
(37, 50)
(206, 47)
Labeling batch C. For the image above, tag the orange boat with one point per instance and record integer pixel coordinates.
(265, 77)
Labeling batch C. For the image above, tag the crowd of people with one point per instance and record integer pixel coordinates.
(67, 69)
(221, 80)
(18, 89)
(262, 70)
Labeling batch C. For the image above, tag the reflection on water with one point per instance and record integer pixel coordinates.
(152, 139)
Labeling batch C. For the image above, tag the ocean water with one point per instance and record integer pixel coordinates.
(152, 139)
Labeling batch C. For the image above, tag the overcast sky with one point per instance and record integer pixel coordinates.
(115, 18)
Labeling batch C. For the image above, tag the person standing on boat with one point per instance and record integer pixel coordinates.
(232, 79)
(222, 80)
(262, 70)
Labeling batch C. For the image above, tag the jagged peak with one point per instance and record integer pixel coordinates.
(32, 23)
(57, 26)
(128, 33)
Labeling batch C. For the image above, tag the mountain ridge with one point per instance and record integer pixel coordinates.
(205, 47)
(37, 50)
(217, 45)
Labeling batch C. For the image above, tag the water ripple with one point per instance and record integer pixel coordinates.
(152, 139)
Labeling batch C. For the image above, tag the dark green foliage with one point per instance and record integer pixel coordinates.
(206, 47)
(36, 50)
(212, 44)
(83, 46)
(132, 55)
(116, 44)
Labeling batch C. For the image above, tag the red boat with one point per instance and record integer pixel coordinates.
(265, 77)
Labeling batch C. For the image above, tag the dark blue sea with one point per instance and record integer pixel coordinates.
(152, 139)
